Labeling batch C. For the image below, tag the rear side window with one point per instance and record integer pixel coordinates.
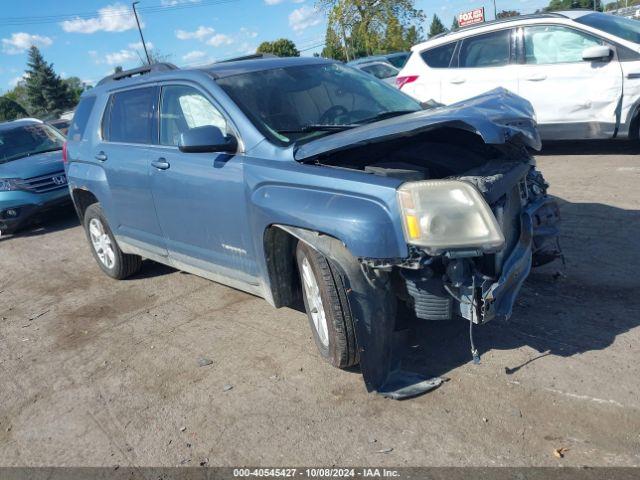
(439, 57)
(380, 70)
(80, 119)
(129, 116)
(488, 50)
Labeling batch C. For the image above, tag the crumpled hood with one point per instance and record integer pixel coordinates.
(33, 166)
(498, 116)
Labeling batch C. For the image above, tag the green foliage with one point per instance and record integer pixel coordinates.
(568, 4)
(455, 25)
(358, 28)
(283, 47)
(436, 27)
(118, 69)
(47, 94)
(507, 13)
(10, 109)
(19, 95)
(75, 87)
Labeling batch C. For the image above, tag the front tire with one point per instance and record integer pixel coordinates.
(104, 247)
(325, 300)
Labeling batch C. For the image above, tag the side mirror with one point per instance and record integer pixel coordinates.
(597, 53)
(207, 138)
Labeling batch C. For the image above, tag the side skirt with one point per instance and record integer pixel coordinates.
(212, 274)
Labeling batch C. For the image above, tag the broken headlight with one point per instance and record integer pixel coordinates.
(442, 215)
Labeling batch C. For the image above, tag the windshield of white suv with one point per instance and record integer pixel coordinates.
(299, 103)
(26, 140)
(619, 26)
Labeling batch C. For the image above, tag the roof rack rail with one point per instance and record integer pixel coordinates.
(253, 56)
(156, 67)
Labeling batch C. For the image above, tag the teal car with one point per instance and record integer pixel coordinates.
(32, 177)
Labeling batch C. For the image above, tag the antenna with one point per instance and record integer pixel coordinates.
(144, 45)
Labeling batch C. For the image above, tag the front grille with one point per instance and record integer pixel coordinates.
(45, 183)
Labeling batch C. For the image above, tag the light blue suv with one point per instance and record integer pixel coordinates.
(305, 179)
(32, 177)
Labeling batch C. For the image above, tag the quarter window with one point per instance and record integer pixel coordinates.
(439, 57)
(488, 50)
(80, 118)
(129, 116)
(548, 44)
(183, 108)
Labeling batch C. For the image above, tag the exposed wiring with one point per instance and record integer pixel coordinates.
(474, 350)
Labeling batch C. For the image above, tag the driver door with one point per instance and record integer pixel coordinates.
(200, 197)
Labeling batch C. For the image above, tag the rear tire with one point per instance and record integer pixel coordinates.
(104, 247)
(325, 300)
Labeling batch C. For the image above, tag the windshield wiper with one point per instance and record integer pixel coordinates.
(320, 128)
(383, 115)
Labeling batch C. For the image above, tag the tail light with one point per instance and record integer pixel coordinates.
(402, 81)
(64, 152)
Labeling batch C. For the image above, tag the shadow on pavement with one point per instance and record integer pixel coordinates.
(590, 147)
(50, 221)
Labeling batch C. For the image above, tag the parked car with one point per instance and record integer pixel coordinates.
(61, 124)
(32, 177)
(295, 178)
(381, 70)
(397, 59)
(579, 69)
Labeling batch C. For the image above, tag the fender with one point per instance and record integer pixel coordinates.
(367, 226)
(92, 178)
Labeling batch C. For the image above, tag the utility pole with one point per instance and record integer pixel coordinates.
(144, 45)
(495, 10)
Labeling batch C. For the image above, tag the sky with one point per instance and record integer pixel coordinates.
(88, 39)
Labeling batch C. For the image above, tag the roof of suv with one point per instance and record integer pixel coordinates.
(229, 68)
(561, 15)
(217, 70)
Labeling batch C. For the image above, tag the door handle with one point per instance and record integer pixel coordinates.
(457, 81)
(101, 156)
(537, 77)
(161, 164)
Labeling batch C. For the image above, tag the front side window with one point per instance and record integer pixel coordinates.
(439, 57)
(548, 44)
(21, 141)
(183, 108)
(129, 116)
(298, 103)
(380, 70)
(488, 50)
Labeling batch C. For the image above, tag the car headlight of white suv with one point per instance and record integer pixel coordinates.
(444, 215)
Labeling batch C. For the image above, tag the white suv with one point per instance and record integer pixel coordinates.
(580, 70)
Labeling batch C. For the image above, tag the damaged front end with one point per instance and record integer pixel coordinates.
(476, 217)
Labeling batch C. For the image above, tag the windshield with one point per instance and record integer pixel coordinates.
(300, 103)
(619, 26)
(25, 140)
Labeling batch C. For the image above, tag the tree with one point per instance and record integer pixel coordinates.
(367, 27)
(283, 47)
(333, 48)
(455, 25)
(412, 37)
(47, 93)
(507, 14)
(436, 27)
(76, 87)
(569, 4)
(19, 95)
(118, 69)
(10, 110)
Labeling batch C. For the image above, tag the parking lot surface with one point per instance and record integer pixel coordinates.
(102, 373)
